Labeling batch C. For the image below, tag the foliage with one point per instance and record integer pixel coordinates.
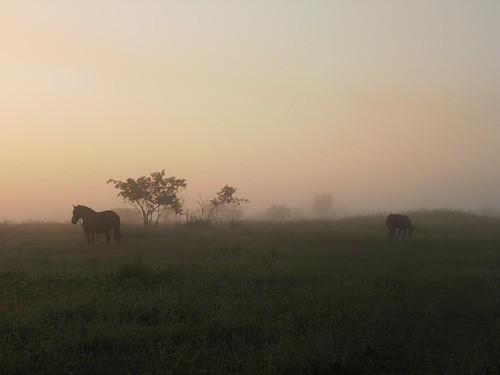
(227, 197)
(152, 196)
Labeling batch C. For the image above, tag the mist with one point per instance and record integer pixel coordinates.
(249, 187)
(386, 106)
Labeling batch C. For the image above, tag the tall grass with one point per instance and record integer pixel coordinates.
(333, 297)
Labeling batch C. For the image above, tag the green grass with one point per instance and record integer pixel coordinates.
(296, 298)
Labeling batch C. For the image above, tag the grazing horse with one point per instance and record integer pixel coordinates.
(97, 222)
(401, 223)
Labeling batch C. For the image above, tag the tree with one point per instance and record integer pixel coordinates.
(322, 206)
(227, 200)
(224, 206)
(152, 196)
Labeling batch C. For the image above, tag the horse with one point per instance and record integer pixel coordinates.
(401, 223)
(97, 222)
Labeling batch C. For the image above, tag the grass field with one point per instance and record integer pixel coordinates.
(255, 298)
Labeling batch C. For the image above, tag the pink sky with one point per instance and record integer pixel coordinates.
(385, 104)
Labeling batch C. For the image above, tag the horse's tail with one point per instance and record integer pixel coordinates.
(117, 235)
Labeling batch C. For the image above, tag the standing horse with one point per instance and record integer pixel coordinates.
(401, 223)
(97, 222)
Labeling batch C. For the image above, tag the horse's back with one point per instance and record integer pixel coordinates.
(100, 222)
(110, 214)
(398, 221)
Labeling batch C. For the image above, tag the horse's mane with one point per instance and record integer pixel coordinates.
(85, 208)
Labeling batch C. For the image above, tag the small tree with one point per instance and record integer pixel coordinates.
(225, 205)
(322, 206)
(226, 198)
(152, 196)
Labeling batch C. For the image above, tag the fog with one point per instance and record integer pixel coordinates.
(385, 105)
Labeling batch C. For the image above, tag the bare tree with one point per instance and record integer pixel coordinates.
(203, 214)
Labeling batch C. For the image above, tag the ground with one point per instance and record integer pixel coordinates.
(334, 297)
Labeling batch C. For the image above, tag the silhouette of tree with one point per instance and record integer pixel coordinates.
(152, 196)
(224, 206)
(322, 206)
(226, 198)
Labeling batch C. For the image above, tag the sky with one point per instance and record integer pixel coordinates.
(385, 104)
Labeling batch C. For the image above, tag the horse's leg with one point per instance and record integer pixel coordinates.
(87, 235)
(108, 237)
(92, 238)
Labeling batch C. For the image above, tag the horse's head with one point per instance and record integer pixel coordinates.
(81, 213)
(77, 215)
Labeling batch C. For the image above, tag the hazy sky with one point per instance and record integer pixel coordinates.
(385, 104)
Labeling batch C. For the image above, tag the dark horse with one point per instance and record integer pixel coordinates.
(97, 222)
(401, 223)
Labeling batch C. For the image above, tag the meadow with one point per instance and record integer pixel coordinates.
(330, 297)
